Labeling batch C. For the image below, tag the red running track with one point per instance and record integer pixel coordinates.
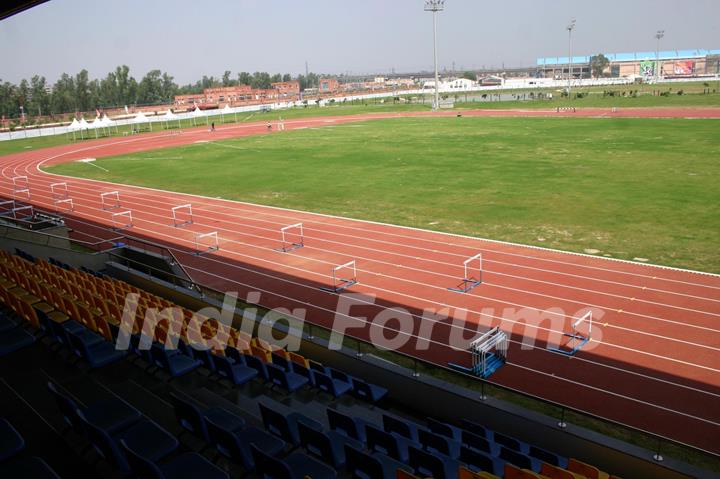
(653, 363)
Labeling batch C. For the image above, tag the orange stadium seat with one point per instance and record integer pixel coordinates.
(513, 472)
(591, 472)
(465, 473)
(554, 472)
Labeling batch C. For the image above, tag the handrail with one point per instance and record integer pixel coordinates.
(219, 295)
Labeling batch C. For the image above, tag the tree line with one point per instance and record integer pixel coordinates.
(117, 89)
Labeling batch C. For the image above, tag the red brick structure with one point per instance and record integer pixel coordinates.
(328, 85)
(238, 95)
(287, 89)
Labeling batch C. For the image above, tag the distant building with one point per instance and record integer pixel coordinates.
(328, 85)
(673, 64)
(238, 95)
(287, 88)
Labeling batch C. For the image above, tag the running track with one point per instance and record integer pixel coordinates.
(654, 361)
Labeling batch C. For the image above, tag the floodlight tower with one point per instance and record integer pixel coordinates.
(658, 35)
(435, 6)
(570, 29)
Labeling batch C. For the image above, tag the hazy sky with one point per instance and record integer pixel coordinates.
(189, 38)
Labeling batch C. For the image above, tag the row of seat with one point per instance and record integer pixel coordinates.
(434, 449)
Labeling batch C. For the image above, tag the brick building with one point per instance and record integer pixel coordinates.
(238, 95)
(328, 85)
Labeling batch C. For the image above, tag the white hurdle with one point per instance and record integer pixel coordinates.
(122, 220)
(110, 200)
(27, 212)
(59, 190)
(64, 205)
(341, 283)
(182, 215)
(577, 339)
(293, 237)
(21, 185)
(469, 281)
(206, 243)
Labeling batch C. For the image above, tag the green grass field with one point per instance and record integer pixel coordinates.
(628, 188)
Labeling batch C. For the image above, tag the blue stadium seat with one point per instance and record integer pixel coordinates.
(519, 459)
(291, 382)
(328, 447)
(549, 457)
(480, 443)
(109, 415)
(368, 392)
(238, 373)
(444, 429)
(285, 425)
(206, 358)
(192, 416)
(176, 364)
(304, 372)
(330, 385)
(7, 324)
(97, 354)
(476, 428)
(185, 466)
(144, 435)
(511, 443)
(28, 467)
(353, 428)
(235, 445)
(390, 444)
(371, 466)
(278, 360)
(316, 366)
(432, 442)
(295, 466)
(11, 442)
(14, 340)
(479, 461)
(405, 428)
(433, 465)
(257, 364)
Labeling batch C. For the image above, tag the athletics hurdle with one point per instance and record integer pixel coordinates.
(577, 340)
(340, 283)
(293, 237)
(21, 185)
(110, 200)
(64, 205)
(7, 207)
(469, 281)
(489, 353)
(206, 243)
(180, 212)
(119, 223)
(59, 190)
(28, 213)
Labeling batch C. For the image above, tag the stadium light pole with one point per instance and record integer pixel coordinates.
(658, 35)
(435, 6)
(570, 29)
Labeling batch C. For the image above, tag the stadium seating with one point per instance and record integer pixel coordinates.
(11, 442)
(82, 311)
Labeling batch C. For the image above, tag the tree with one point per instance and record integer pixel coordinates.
(469, 76)
(598, 64)
(287, 77)
(150, 88)
(244, 78)
(226, 81)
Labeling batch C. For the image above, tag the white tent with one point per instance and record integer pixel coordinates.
(227, 111)
(84, 125)
(170, 116)
(74, 127)
(197, 113)
(96, 125)
(140, 118)
(108, 123)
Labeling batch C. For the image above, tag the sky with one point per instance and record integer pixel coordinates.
(191, 38)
